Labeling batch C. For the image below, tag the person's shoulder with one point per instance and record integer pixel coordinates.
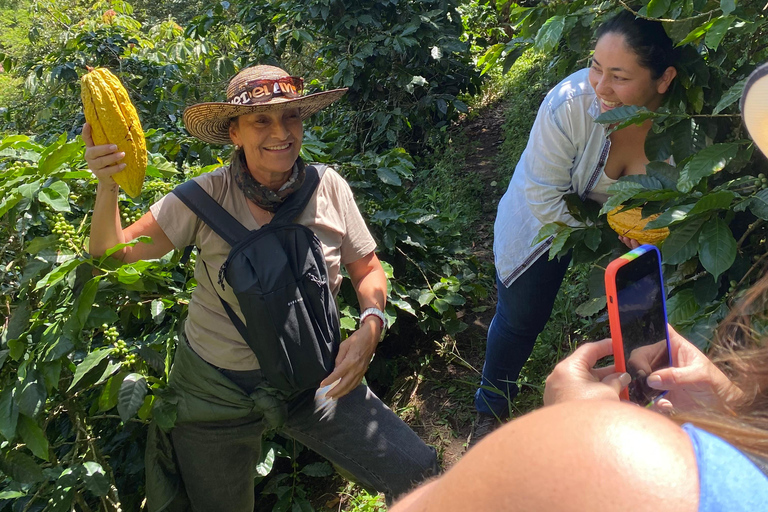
(215, 180)
(331, 182)
(573, 89)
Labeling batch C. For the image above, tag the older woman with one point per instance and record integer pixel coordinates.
(217, 437)
(567, 152)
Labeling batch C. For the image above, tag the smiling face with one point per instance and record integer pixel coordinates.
(619, 79)
(271, 142)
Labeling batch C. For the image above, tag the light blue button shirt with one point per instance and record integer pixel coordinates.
(566, 154)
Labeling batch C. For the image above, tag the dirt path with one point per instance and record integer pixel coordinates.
(443, 398)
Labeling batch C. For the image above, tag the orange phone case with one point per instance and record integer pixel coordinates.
(613, 309)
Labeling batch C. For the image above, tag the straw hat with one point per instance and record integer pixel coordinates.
(754, 107)
(209, 121)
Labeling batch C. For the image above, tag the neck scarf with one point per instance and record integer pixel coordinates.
(263, 196)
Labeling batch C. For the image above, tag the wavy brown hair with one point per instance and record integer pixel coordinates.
(740, 350)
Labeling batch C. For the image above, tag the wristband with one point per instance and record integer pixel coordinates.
(378, 314)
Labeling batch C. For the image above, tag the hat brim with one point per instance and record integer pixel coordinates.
(209, 122)
(754, 107)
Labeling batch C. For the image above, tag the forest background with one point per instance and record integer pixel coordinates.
(442, 94)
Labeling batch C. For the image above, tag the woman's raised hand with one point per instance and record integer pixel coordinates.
(629, 242)
(693, 381)
(576, 378)
(103, 160)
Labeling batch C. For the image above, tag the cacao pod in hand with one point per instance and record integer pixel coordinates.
(630, 223)
(114, 120)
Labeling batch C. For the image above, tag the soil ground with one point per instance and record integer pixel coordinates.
(438, 403)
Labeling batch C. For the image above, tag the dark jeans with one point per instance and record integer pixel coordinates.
(357, 432)
(522, 311)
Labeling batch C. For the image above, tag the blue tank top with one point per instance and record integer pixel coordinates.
(728, 480)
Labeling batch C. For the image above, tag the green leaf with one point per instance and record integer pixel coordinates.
(84, 301)
(58, 273)
(95, 478)
(3, 357)
(671, 216)
(426, 297)
(454, 299)
(627, 115)
(164, 413)
(681, 307)
(30, 393)
(132, 392)
(715, 201)
(682, 243)
(705, 290)
(440, 306)
(9, 414)
(559, 241)
(549, 34)
(657, 8)
(55, 155)
(592, 238)
(730, 97)
(758, 204)
(145, 411)
(19, 321)
(717, 247)
(90, 362)
(157, 308)
(666, 174)
(34, 437)
(591, 307)
(264, 467)
(388, 176)
(620, 192)
(21, 467)
(41, 242)
(317, 469)
(727, 6)
(57, 196)
(717, 31)
(706, 162)
(110, 391)
(548, 230)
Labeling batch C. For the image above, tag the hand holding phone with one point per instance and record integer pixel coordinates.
(638, 320)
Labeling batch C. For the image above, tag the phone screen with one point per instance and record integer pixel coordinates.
(640, 300)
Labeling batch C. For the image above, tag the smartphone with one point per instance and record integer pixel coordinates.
(637, 315)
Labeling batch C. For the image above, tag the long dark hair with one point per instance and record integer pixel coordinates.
(646, 38)
(740, 349)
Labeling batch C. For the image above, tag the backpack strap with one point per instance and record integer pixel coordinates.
(211, 212)
(296, 202)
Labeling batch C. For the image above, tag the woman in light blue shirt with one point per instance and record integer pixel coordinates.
(567, 152)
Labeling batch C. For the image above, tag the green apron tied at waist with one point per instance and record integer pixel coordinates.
(204, 394)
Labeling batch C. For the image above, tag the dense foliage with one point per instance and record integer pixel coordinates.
(86, 343)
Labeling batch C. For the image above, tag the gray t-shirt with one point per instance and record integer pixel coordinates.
(331, 214)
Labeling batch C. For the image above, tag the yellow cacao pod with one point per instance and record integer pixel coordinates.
(630, 223)
(114, 120)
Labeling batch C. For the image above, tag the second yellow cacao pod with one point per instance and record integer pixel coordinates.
(631, 224)
(114, 120)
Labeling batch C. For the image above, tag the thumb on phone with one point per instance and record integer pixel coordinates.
(670, 378)
(617, 381)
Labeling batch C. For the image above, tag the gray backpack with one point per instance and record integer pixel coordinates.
(279, 276)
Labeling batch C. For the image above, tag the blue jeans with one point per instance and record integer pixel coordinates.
(357, 432)
(522, 311)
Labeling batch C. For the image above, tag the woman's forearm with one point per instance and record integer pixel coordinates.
(106, 229)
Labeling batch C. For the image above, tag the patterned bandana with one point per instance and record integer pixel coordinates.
(265, 197)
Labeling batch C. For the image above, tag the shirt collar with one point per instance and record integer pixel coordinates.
(594, 109)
